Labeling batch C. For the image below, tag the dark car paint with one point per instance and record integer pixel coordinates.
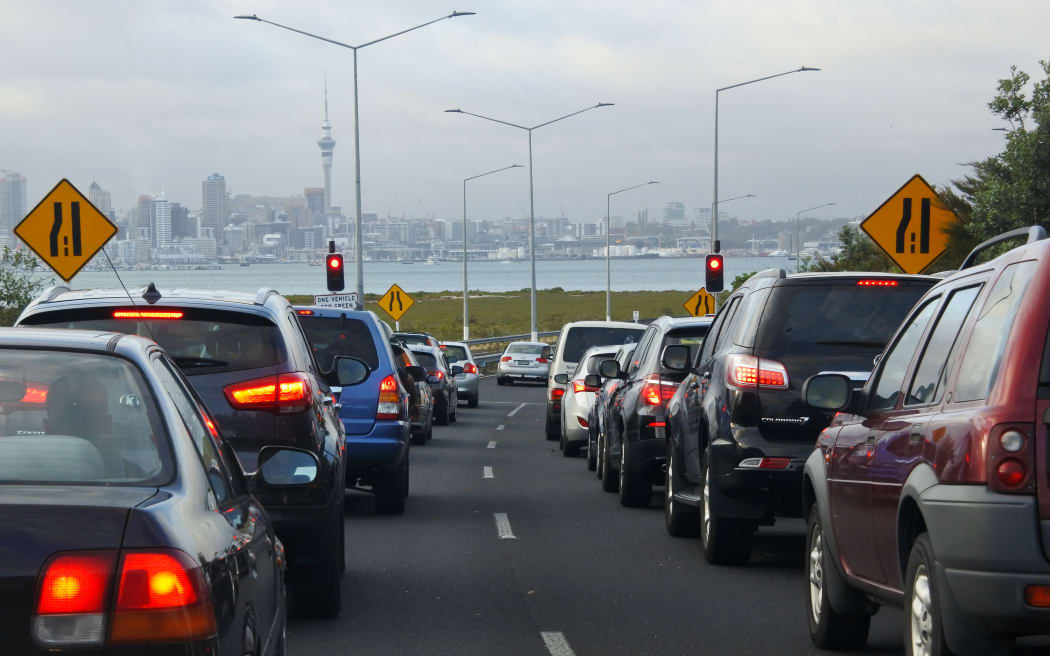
(302, 516)
(598, 415)
(233, 542)
(445, 393)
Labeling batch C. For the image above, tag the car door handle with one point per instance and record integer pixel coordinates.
(329, 401)
(695, 384)
(916, 434)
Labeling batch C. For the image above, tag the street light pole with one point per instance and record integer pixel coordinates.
(532, 200)
(715, 246)
(466, 315)
(359, 247)
(608, 245)
(798, 233)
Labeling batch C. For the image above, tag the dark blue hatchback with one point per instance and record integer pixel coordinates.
(375, 412)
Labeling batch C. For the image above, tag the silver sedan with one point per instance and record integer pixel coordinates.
(458, 353)
(524, 361)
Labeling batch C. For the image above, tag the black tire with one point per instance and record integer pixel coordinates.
(552, 434)
(571, 450)
(636, 488)
(342, 550)
(610, 481)
(441, 413)
(420, 438)
(281, 649)
(500, 381)
(681, 520)
(315, 590)
(921, 590)
(725, 541)
(472, 402)
(391, 490)
(828, 629)
(592, 454)
(430, 429)
(453, 409)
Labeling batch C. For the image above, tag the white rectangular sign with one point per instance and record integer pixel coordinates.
(341, 301)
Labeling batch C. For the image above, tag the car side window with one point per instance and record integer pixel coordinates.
(639, 352)
(927, 386)
(712, 336)
(301, 345)
(727, 325)
(980, 362)
(895, 362)
(745, 327)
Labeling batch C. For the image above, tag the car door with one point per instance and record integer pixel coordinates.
(628, 387)
(248, 607)
(849, 469)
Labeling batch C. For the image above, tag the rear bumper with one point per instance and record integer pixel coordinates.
(989, 549)
(756, 493)
(467, 384)
(381, 449)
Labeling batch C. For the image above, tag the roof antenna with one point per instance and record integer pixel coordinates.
(130, 297)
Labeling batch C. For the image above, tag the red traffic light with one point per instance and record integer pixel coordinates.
(714, 269)
(335, 262)
(715, 263)
(334, 273)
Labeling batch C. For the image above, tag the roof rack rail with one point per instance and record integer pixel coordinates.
(50, 293)
(263, 294)
(1033, 233)
(771, 273)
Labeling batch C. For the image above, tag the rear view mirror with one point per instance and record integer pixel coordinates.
(828, 391)
(675, 357)
(561, 379)
(592, 380)
(284, 467)
(350, 371)
(456, 370)
(419, 374)
(609, 369)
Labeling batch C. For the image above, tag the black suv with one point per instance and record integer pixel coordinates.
(247, 358)
(634, 438)
(738, 431)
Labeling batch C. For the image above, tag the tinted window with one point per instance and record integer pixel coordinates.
(78, 418)
(725, 328)
(331, 336)
(932, 372)
(825, 318)
(640, 351)
(426, 360)
(895, 363)
(201, 342)
(693, 337)
(591, 366)
(412, 338)
(526, 349)
(455, 353)
(580, 338)
(984, 351)
(746, 325)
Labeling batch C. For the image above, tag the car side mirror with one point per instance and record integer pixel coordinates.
(350, 371)
(610, 369)
(828, 391)
(592, 380)
(433, 378)
(561, 379)
(418, 373)
(284, 467)
(675, 357)
(456, 370)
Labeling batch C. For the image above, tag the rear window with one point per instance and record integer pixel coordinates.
(455, 353)
(413, 339)
(828, 318)
(331, 336)
(426, 360)
(78, 418)
(581, 338)
(202, 341)
(527, 349)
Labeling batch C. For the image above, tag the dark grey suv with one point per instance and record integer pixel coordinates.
(247, 358)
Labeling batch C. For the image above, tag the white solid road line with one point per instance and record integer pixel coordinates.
(513, 403)
(492, 444)
(515, 410)
(503, 527)
(500, 427)
(556, 643)
(486, 472)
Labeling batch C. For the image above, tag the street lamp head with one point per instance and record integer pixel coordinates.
(809, 68)
(454, 111)
(516, 166)
(653, 182)
(461, 13)
(604, 104)
(750, 196)
(252, 17)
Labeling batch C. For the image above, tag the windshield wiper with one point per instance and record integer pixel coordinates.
(190, 361)
(835, 342)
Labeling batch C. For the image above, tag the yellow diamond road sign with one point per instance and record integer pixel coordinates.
(396, 302)
(65, 230)
(909, 226)
(700, 303)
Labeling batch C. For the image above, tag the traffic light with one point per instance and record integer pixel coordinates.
(334, 267)
(714, 270)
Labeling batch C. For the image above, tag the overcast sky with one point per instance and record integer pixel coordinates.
(145, 96)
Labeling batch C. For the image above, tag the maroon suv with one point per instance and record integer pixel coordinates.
(930, 488)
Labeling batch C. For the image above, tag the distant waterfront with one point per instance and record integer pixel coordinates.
(628, 274)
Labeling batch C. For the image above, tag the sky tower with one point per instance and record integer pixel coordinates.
(327, 144)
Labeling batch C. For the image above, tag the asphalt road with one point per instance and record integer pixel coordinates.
(582, 574)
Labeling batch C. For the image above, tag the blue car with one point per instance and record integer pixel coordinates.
(375, 412)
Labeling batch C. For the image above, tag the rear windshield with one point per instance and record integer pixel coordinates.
(412, 339)
(526, 349)
(581, 338)
(200, 342)
(426, 360)
(455, 353)
(332, 336)
(827, 318)
(78, 418)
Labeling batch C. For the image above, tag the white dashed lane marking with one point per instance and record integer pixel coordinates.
(486, 472)
(503, 527)
(500, 427)
(492, 444)
(515, 410)
(556, 643)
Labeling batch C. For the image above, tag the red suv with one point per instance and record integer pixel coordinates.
(930, 489)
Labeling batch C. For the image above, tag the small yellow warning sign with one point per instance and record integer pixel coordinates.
(700, 303)
(396, 302)
(909, 226)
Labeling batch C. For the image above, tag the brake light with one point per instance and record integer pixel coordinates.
(764, 463)
(75, 583)
(749, 371)
(147, 314)
(389, 407)
(579, 386)
(1011, 473)
(470, 368)
(1011, 458)
(877, 283)
(583, 422)
(305, 313)
(437, 372)
(1038, 595)
(162, 597)
(442, 347)
(656, 391)
(284, 393)
(35, 395)
(541, 360)
(505, 358)
(211, 427)
(557, 393)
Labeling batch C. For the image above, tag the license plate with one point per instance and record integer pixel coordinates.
(524, 362)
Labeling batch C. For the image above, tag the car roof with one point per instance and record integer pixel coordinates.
(178, 297)
(335, 313)
(529, 344)
(608, 348)
(463, 344)
(680, 322)
(603, 324)
(80, 340)
(422, 347)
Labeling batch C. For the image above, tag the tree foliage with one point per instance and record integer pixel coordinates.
(859, 253)
(20, 282)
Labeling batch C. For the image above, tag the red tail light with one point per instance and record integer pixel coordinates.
(389, 399)
(583, 422)
(877, 283)
(283, 393)
(579, 386)
(75, 583)
(764, 463)
(505, 358)
(1011, 473)
(305, 313)
(35, 395)
(437, 372)
(147, 314)
(541, 360)
(1011, 458)
(749, 371)
(557, 393)
(656, 391)
(470, 368)
(442, 347)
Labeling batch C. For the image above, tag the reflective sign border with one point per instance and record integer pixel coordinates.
(886, 202)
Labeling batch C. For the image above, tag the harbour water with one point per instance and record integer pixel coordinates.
(628, 274)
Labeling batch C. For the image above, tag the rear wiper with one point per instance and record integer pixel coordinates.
(852, 343)
(190, 361)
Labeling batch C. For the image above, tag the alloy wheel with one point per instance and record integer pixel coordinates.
(705, 505)
(922, 624)
(816, 572)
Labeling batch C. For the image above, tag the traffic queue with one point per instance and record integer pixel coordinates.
(196, 447)
(904, 418)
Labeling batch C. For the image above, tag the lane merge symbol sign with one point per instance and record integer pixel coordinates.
(65, 230)
(909, 226)
(700, 303)
(396, 302)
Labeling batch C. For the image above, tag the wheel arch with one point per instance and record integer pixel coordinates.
(910, 521)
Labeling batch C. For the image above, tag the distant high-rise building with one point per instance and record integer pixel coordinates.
(643, 217)
(160, 222)
(315, 201)
(674, 211)
(143, 223)
(327, 144)
(100, 198)
(214, 208)
(12, 205)
(183, 226)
